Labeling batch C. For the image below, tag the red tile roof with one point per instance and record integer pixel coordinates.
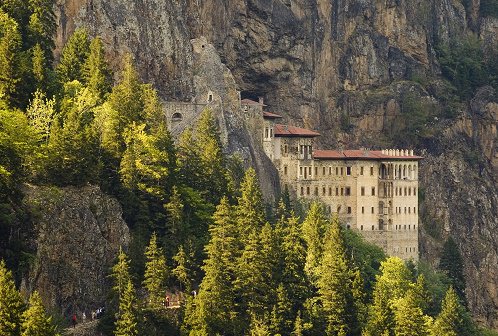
(292, 131)
(359, 155)
(250, 102)
(271, 115)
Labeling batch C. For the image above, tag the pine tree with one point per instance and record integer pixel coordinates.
(11, 305)
(298, 326)
(183, 270)
(359, 298)
(215, 311)
(334, 284)
(189, 161)
(282, 314)
(452, 264)
(40, 67)
(42, 25)
(156, 273)
(73, 157)
(121, 273)
(10, 43)
(35, 320)
(409, 318)
(392, 284)
(211, 157)
(293, 251)
(314, 228)
(250, 208)
(96, 73)
(73, 57)
(254, 282)
(175, 226)
(126, 323)
(126, 97)
(451, 319)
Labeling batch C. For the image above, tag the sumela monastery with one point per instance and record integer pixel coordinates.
(374, 192)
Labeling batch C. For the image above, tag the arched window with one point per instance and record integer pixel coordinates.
(177, 116)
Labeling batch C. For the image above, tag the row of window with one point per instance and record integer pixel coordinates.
(407, 249)
(268, 133)
(339, 191)
(339, 171)
(406, 191)
(397, 227)
(398, 210)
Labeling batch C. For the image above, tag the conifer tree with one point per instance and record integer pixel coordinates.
(183, 270)
(73, 57)
(126, 323)
(293, 251)
(126, 97)
(282, 315)
(188, 160)
(314, 228)
(298, 326)
(42, 25)
(250, 208)
(156, 273)
(449, 321)
(121, 273)
(10, 43)
(96, 73)
(359, 298)
(40, 67)
(409, 318)
(35, 321)
(452, 264)
(211, 157)
(175, 226)
(391, 284)
(255, 284)
(11, 305)
(215, 311)
(334, 284)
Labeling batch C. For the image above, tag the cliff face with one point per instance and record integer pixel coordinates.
(321, 64)
(78, 233)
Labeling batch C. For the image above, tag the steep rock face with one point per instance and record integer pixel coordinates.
(78, 233)
(319, 63)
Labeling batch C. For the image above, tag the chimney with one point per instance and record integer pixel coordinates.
(261, 101)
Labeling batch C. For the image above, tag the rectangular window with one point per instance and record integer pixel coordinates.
(307, 190)
(330, 191)
(337, 170)
(330, 170)
(414, 191)
(373, 210)
(361, 170)
(371, 171)
(342, 171)
(373, 191)
(301, 171)
(348, 191)
(309, 171)
(302, 191)
(323, 171)
(285, 170)
(271, 132)
(285, 149)
(266, 133)
(337, 191)
(316, 191)
(349, 210)
(342, 191)
(361, 228)
(362, 210)
(324, 192)
(316, 171)
(348, 171)
(362, 191)
(301, 148)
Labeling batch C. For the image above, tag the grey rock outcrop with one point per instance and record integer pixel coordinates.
(78, 233)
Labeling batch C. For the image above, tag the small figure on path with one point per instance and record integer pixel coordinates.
(83, 317)
(73, 320)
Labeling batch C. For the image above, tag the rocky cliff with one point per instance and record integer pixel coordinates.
(342, 67)
(78, 233)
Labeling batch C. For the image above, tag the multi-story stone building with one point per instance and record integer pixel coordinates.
(374, 192)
